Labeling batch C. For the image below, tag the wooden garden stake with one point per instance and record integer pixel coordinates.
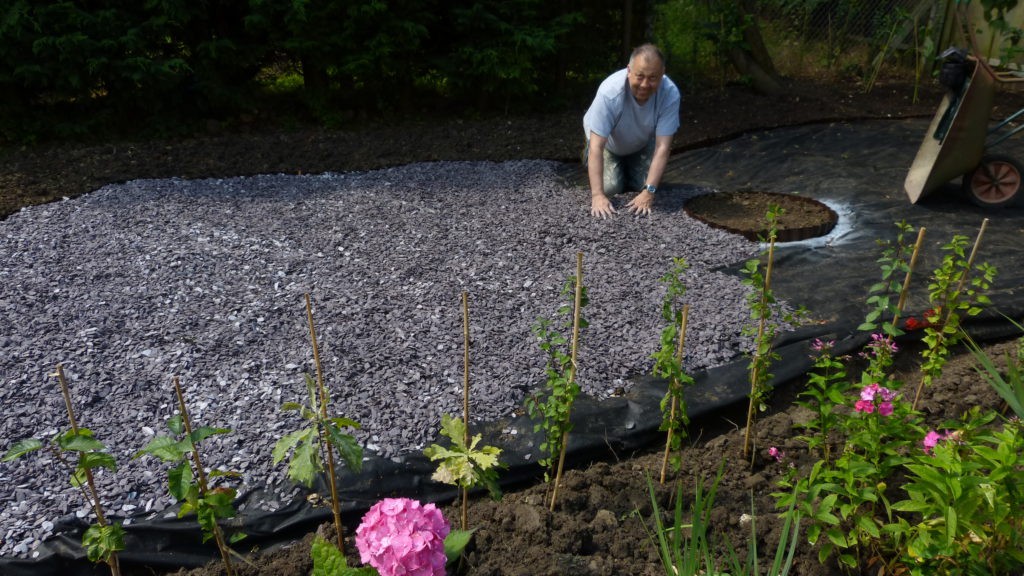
(948, 313)
(201, 476)
(906, 281)
(674, 383)
(113, 562)
(335, 506)
(756, 368)
(572, 369)
(465, 398)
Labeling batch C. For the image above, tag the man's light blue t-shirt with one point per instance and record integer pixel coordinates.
(616, 115)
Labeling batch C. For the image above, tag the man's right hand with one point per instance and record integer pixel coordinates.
(601, 207)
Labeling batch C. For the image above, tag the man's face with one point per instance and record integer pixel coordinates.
(644, 77)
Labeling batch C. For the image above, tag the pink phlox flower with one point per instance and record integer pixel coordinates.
(868, 396)
(779, 455)
(867, 393)
(881, 342)
(401, 537)
(820, 345)
(932, 439)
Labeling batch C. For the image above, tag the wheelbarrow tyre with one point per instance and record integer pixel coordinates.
(995, 182)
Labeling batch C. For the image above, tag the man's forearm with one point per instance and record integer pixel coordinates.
(595, 170)
(658, 164)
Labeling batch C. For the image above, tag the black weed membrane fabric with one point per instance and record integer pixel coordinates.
(856, 169)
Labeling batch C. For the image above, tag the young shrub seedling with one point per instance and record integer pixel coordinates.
(826, 389)
(464, 465)
(102, 540)
(317, 442)
(952, 292)
(461, 463)
(189, 482)
(554, 406)
(766, 312)
(668, 364)
(885, 314)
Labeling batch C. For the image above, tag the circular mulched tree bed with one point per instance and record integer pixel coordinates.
(745, 212)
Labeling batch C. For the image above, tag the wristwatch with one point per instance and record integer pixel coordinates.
(650, 188)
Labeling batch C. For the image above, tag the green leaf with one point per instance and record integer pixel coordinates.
(166, 448)
(867, 524)
(204, 432)
(102, 542)
(179, 480)
(345, 423)
(837, 537)
(22, 447)
(291, 406)
(455, 543)
(83, 441)
(304, 464)
(176, 424)
(347, 446)
(90, 460)
(329, 561)
(289, 441)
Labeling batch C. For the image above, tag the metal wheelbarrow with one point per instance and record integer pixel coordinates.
(959, 138)
(958, 142)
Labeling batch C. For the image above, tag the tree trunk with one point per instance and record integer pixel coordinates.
(755, 42)
(762, 81)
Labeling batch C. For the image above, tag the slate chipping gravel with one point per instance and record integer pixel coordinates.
(204, 280)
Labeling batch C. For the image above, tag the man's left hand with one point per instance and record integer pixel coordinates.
(641, 204)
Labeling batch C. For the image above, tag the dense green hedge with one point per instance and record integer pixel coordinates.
(99, 66)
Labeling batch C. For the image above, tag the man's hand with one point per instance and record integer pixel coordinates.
(641, 204)
(601, 207)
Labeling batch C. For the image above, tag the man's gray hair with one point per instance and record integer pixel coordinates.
(647, 51)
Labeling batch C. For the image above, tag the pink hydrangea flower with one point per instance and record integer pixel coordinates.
(401, 537)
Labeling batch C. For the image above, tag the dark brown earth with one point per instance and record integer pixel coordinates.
(599, 525)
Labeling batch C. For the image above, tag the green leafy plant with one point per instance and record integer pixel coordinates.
(895, 263)
(189, 482)
(687, 549)
(668, 364)
(307, 445)
(101, 541)
(766, 313)
(965, 510)
(1009, 384)
(552, 407)
(845, 500)
(826, 389)
(954, 294)
(315, 444)
(464, 465)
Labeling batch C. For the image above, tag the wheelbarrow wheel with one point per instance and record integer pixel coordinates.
(996, 182)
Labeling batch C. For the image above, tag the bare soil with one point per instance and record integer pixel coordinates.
(602, 521)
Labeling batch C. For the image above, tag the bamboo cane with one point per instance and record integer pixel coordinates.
(572, 370)
(114, 562)
(322, 389)
(948, 313)
(906, 281)
(465, 398)
(218, 536)
(755, 371)
(675, 383)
